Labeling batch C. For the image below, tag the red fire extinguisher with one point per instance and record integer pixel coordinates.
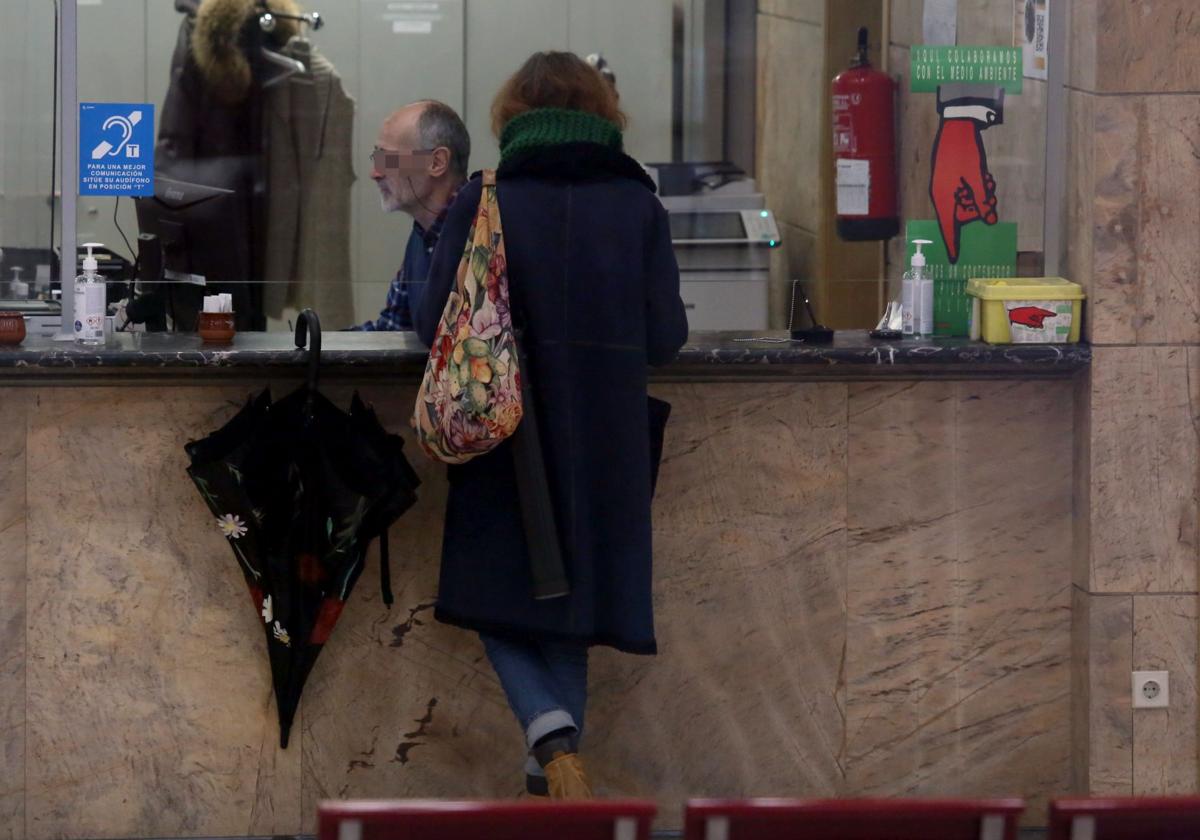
(864, 150)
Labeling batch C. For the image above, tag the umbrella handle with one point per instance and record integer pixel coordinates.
(308, 328)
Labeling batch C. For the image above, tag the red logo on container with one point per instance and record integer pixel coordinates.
(1033, 317)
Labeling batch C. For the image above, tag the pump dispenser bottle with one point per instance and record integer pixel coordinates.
(89, 301)
(18, 288)
(916, 295)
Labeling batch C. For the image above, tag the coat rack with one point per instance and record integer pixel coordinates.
(286, 67)
(268, 20)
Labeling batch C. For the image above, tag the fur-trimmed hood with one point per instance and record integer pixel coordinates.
(220, 36)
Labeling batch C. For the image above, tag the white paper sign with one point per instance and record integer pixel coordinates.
(1031, 32)
(412, 27)
(940, 23)
(853, 187)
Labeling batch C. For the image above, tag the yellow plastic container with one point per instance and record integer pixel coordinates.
(1025, 310)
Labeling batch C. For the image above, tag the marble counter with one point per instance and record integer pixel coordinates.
(719, 355)
(862, 588)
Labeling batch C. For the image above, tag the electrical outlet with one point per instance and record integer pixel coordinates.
(1151, 690)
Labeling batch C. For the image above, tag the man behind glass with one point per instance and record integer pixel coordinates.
(419, 164)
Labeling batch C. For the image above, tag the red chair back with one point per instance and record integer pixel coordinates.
(1120, 818)
(447, 820)
(852, 819)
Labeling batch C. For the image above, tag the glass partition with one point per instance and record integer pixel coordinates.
(263, 117)
(28, 264)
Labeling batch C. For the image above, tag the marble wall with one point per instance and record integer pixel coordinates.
(142, 715)
(860, 589)
(13, 413)
(791, 91)
(1015, 150)
(952, 654)
(802, 45)
(1134, 173)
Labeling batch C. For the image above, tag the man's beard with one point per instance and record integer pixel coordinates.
(389, 201)
(388, 204)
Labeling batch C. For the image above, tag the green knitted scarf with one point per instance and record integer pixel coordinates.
(555, 126)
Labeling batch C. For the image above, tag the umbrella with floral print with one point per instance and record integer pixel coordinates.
(299, 488)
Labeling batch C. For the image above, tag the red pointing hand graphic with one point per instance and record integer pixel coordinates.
(960, 185)
(1033, 317)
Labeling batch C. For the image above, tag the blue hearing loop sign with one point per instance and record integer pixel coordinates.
(116, 148)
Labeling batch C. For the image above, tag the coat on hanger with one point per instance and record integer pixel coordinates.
(310, 131)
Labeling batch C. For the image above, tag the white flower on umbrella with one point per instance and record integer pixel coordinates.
(267, 612)
(231, 526)
(282, 635)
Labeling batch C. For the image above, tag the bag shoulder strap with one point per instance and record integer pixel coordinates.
(385, 569)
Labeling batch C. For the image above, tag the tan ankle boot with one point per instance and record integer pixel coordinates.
(567, 778)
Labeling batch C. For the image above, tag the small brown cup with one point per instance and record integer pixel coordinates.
(12, 328)
(216, 327)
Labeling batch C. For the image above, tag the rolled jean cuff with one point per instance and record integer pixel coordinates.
(544, 723)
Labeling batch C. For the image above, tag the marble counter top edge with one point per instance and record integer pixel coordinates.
(401, 354)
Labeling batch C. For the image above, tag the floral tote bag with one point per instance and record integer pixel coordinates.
(470, 397)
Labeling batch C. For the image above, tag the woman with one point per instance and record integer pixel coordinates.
(593, 276)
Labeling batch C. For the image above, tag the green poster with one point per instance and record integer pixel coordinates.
(986, 251)
(932, 67)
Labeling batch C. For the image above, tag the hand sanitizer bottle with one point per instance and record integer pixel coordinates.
(912, 301)
(18, 287)
(922, 291)
(90, 301)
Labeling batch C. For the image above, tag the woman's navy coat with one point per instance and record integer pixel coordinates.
(590, 264)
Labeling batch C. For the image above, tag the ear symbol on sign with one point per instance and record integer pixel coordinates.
(126, 125)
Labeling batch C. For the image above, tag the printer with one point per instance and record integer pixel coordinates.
(723, 236)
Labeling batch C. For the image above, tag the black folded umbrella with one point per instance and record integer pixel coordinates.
(300, 488)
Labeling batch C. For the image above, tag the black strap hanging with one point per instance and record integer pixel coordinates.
(385, 570)
(308, 328)
(547, 568)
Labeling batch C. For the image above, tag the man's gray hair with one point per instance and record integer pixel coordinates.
(439, 125)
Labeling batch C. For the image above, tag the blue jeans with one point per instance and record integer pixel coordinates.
(545, 682)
